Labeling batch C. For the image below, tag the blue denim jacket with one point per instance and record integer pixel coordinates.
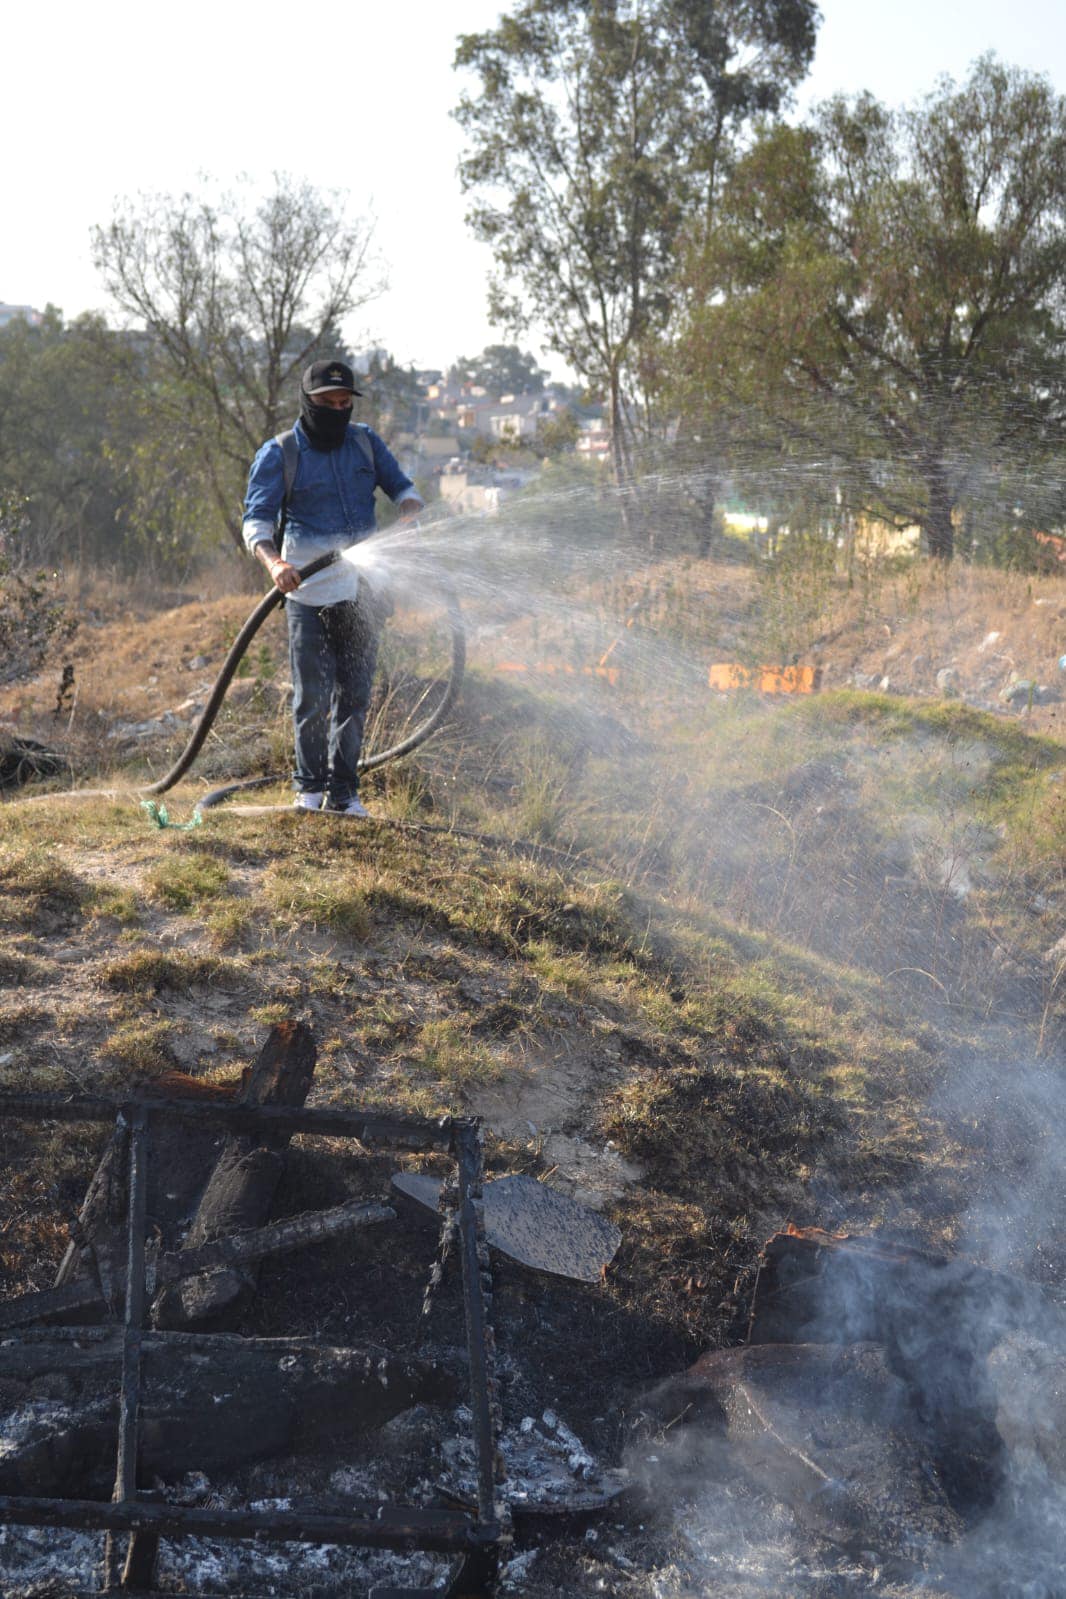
(331, 505)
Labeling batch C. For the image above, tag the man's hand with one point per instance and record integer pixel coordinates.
(286, 576)
(410, 508)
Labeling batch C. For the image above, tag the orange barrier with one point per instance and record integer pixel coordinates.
(1055, 543)
(767, 679)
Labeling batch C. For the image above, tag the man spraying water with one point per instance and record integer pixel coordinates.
(326, 503)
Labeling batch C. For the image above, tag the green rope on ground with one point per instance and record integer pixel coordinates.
(161, 817)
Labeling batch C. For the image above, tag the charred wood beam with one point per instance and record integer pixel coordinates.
(42, 1349)
(145, 1593)
(475, 1280)
(93, 1258)
(142, 1551)
(205, 1403)
(257, 1243)
(242, 1183)
(125, 1488)
(481, 1569)
(401, 1132)
(72, 1299)
(130, 1393)
(378, 1527)
(276, 1238)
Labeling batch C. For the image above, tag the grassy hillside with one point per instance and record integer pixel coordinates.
(712, 964)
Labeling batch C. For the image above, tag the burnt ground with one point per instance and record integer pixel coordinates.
(772, 964)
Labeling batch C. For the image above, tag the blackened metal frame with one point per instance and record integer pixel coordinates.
(475, 1538)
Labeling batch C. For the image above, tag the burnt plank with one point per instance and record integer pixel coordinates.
(206, 1403)
(369, 1127)
(377, 1527)
(276, 1238)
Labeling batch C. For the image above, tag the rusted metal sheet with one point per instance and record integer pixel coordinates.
(533, 1224)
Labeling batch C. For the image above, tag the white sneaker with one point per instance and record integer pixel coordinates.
(354, 807)
(308, 802)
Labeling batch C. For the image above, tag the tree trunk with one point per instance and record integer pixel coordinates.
(937, 524)
(622, 462)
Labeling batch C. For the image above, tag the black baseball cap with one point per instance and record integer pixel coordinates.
(321, 376)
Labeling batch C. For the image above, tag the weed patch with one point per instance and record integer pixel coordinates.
(21, 1023)
(227, 923)
(21, 971)
(445, 1050)
(185, 882)
(320, 898)
(148, 971)
(112, 903)
(39, 893)
(142, 1046)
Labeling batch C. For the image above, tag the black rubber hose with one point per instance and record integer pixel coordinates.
(233, 660)
(451, 693)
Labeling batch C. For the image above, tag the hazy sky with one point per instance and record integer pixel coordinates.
(116, 98)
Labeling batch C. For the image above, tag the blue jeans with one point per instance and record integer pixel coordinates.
(333, 651)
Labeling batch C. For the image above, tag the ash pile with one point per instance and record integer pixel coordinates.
(894, 1425)
(148, 1445)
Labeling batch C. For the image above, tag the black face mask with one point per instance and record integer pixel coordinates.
(325, 427)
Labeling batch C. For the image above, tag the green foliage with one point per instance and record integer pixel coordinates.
(594, 133)
(557, 435)
(65, 402)
(240, 294)
(33, 619)
(882, 297)
(391, 397)
(501, 369)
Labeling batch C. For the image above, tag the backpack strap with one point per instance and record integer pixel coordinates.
(290, 460)
(362, 438)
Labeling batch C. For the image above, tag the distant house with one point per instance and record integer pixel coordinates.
(594, 440)
(470, 489)
(511, 418)
(24, 313)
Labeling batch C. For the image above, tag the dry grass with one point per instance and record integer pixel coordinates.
(148, 971)
(708, 982)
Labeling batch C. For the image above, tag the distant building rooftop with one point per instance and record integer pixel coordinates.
(10, 313)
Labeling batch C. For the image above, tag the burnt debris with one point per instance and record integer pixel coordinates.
(896, 1401)
(139, 1397)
